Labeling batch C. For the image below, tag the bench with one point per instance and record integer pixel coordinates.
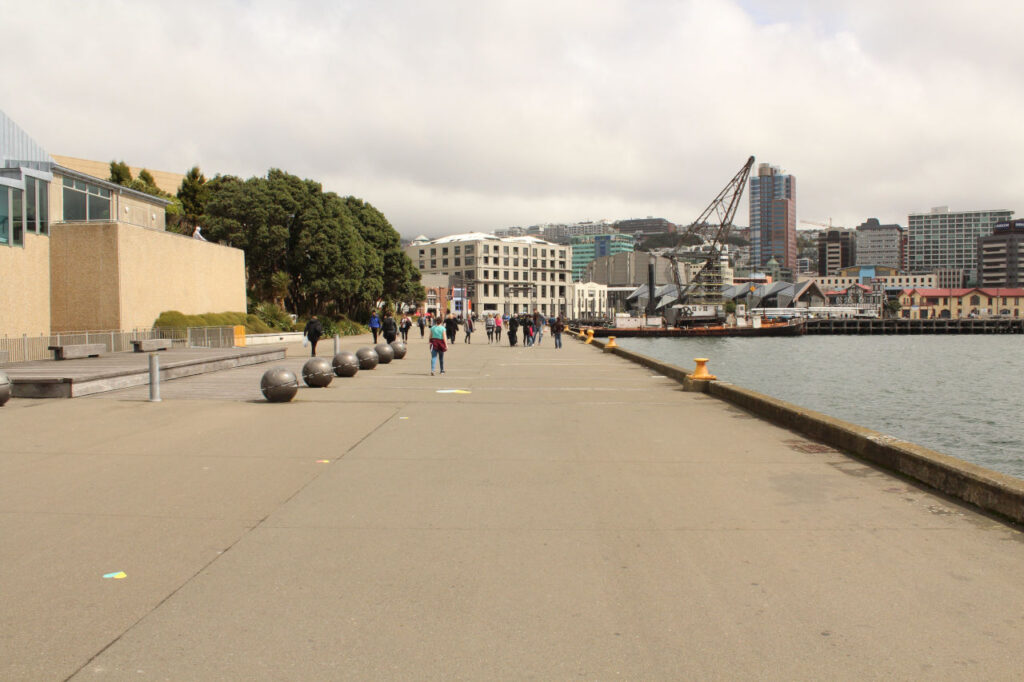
(152, 344)
(77, 350)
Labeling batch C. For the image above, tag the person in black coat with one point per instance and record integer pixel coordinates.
(513, 329)
(451, 327)
(313, 331)
(389, 328)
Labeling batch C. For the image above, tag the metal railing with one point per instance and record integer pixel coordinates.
(23, 348)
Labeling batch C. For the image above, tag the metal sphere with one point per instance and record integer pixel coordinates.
(318, 372)
(346, 364)
(279, 384)
(399, 348)
(5, 388)
(368, 357)
(385, 352)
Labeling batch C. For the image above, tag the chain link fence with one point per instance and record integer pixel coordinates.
(25, 347)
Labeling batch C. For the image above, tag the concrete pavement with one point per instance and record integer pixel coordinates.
(568, 515)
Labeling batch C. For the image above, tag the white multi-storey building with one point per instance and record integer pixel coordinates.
(588, 301)
(946, 240)
(504, 275)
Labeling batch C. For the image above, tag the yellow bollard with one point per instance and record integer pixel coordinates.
(590, 336)
(702, 370)
(611, 343)
(582, 334)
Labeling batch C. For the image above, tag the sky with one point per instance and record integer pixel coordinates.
(455, 116)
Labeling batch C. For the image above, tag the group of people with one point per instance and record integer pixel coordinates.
(443, 330)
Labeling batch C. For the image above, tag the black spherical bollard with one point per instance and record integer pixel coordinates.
(279, 384)
(399, 348)
(5, 388)
(318, 372)
(385, 352)
(368, 357)
(346, 364)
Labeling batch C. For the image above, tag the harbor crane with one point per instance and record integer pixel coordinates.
(712, 226)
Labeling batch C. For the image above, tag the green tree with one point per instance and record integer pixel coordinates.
(193, 194)
(120, 173)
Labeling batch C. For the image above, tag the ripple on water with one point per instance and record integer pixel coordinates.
(960, 395)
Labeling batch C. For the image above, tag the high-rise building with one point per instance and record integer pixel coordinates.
(1001, 254)
(836, 249)
(884, 245)
(772, 217)
(946, 240)
(588, 247)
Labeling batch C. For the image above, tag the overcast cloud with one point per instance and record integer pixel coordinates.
(455, 116)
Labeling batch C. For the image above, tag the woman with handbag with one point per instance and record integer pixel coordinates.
(438, 346)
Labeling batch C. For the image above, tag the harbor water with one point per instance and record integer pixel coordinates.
(960, 395)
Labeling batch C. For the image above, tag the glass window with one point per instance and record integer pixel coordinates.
(30, 205)
(99, 208)
(74, 205)
(17, 227)
(5, 216)
(44, 207)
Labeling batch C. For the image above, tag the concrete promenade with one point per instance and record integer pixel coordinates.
(566, 514)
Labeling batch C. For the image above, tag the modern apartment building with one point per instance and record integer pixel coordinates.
(884, 245)
(945, 240)
(628, 269)
(648, 225)
(772, 217)
(586, 248)
(502, 274)
(1001, 254)
(836, 249)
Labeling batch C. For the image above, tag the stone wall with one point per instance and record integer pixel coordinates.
(25, 289)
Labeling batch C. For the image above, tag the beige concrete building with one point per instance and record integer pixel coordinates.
(504, 275)
(80, 253)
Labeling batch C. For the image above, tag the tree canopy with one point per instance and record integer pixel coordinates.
(321, 253)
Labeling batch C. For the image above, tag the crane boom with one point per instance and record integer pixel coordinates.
(706, 285)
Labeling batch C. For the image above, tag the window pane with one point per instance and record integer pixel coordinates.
(17, 237)
(68, 182)
(99, 208)
(44, 207)
(80, 185)
(30, 205)
(74, 205)
(5, 217)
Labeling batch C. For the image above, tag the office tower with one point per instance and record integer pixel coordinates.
(772, 217)
(588, 247)
(1001, 254)
(879, 244)
(946, 240)
(836, 249)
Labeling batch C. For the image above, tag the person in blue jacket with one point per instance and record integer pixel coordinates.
(374, 325)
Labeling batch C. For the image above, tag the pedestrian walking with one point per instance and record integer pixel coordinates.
(389, 328)
(467, 327)
(313, 331)
(513, 328)
(451, 325)
(527, 325)
(489, 326)
(404, 327)
(497, 328)
(437, 346)
(422, 322)
(374, 325)
(557, 327)
(538, 327)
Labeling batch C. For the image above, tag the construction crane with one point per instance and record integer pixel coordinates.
(712, 225)
(827, 224)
